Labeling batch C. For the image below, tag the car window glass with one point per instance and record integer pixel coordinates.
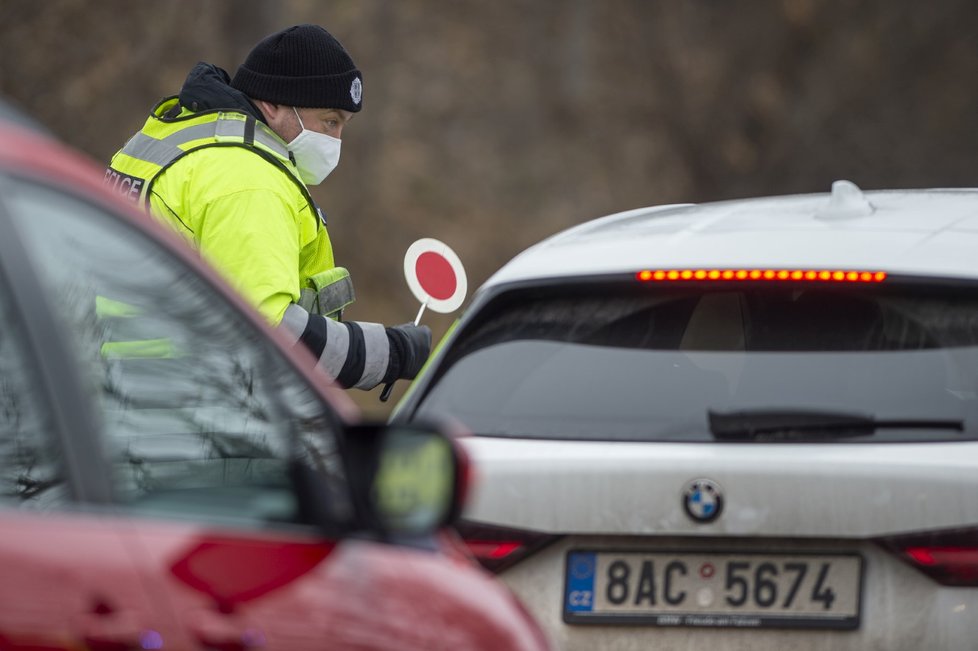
(31, 474)
(643, 365)
(200, 414)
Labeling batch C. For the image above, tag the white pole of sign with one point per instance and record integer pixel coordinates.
(417, 319)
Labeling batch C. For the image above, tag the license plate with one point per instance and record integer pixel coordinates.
(743, 590)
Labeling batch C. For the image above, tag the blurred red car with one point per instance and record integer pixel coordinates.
(173, 475)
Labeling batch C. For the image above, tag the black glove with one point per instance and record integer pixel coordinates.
(410, 347)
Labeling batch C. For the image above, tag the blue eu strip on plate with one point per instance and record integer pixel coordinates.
(580, 581)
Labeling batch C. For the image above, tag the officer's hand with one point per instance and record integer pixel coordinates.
(411, 345)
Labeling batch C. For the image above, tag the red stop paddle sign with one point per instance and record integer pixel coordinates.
(436, 278)
(435, 275)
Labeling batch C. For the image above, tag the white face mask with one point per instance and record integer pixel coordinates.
(316, 154)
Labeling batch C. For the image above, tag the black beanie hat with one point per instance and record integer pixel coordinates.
(301, 66)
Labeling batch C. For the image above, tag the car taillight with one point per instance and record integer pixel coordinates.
(948, 557)
(497, 548)
(464, 478)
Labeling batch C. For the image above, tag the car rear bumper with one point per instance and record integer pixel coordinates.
(900, 608)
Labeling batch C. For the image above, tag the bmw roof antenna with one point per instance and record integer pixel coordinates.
(847, 201)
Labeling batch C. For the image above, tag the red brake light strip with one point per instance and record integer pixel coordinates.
(948, 565)
(944, 556)
(795, 275)
(492, 549)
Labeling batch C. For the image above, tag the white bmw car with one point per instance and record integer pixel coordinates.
(749, 424)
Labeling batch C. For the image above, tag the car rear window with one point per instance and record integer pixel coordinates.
(650, 363)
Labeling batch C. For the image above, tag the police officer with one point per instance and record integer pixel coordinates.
(226, 164)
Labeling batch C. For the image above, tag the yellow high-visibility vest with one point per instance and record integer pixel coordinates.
(227, 183)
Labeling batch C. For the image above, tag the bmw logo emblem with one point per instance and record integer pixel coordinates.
(702, 500)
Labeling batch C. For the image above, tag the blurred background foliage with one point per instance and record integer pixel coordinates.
(490, 125)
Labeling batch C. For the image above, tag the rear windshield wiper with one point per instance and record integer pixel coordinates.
(772, 424)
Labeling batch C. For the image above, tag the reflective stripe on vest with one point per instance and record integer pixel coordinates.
(163, 140)
(228, 127)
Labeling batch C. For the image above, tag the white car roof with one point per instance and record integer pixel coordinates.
(917, 232)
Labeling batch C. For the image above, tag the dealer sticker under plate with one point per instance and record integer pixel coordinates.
(735, 589)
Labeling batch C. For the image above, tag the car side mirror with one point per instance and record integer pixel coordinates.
(408, 479)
